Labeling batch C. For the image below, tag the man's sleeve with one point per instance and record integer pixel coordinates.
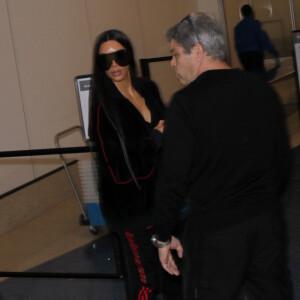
(177, 156)
(265, 42)
(283, 149)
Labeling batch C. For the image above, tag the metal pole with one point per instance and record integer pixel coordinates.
(56, 140)
(292, 15)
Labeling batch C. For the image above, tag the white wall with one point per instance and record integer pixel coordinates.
(13, 133)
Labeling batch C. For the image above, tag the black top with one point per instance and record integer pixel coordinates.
(249, 36)
(118, 128)
(225, 150)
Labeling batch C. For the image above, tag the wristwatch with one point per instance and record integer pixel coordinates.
(157, 243)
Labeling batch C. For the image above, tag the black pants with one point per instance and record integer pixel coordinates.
(249, 255)
(252, 61)
(148, 279)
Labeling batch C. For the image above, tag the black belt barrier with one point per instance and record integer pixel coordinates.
(28, 274)
(50, 151)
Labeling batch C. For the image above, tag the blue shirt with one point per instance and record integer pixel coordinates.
(249, 36)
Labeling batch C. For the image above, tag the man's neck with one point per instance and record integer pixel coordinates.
(211, 64)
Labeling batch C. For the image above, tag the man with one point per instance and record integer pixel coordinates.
(251, 41)
(225, 152)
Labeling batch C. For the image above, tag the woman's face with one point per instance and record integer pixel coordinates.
(116, 72)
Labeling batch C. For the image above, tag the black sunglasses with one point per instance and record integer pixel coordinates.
(121, 57)
(189, 20)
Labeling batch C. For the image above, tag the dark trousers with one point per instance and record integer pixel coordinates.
(249, 256)
(252, 61)
(148, 279)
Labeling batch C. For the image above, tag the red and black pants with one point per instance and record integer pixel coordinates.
(147, 278)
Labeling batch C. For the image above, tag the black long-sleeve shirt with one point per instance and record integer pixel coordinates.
(225, 151)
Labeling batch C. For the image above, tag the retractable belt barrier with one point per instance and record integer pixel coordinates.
(28, 274)
(50, 151)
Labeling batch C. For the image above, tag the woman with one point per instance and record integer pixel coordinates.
(126, 124)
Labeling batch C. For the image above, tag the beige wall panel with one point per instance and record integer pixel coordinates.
(276, 21)
(209, 6)
(232, 17)
(116, 14)
(156, 17)
(183, 8)
(13, 135)
(145, 22)
(52, 46)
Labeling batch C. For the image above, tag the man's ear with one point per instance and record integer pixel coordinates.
(199, 51)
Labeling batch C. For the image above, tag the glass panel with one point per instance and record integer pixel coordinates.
(276, 21)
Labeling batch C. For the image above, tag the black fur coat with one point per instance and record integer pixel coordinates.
(127, 150)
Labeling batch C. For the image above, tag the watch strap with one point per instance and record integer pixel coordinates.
(157, 243)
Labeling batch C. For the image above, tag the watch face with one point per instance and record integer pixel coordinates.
(157, 243)
(154, 240)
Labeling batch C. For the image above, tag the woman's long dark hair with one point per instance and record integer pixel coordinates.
(99, 83)
(99, 88)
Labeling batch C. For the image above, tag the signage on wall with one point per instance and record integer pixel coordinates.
(83, 86)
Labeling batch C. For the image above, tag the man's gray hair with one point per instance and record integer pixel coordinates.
(199, 28)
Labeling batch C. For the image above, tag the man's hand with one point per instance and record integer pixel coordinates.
(166, 258)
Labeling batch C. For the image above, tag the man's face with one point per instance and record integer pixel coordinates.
(183, 63)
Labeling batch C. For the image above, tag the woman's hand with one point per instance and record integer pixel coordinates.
(160, 126)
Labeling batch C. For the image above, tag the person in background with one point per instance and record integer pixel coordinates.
(251, 41)
(226, 152)
(126, 124)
